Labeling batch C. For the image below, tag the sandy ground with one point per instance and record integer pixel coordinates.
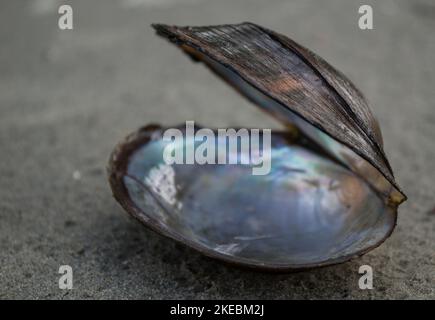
(67, 97)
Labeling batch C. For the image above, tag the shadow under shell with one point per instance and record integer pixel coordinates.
(308, 211)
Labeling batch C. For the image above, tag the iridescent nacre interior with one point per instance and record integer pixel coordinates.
(308, 210)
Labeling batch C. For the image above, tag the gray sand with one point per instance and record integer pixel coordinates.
(66, 98)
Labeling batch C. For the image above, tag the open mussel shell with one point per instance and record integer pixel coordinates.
(330, 194)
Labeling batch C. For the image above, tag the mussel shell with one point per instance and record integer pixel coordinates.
(331, 194)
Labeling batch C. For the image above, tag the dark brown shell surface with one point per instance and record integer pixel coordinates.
(293, 230)
(294, 77)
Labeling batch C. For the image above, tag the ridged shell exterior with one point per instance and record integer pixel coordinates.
(294, 77)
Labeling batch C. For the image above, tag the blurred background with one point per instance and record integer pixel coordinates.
(68, 96)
